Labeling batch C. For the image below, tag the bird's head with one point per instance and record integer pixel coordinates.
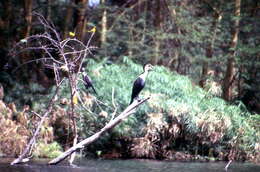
(83, 71)
(148, 67)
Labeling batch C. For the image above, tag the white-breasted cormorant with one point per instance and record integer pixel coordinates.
(88, 82)
(140, 82)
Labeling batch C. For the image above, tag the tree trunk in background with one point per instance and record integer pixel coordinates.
(158, 26)
(227, 84)
(81, 19)
(48, 12)
(174, 44)
(5, 21)
(176, 41)
(28, 17)
(68, 19)
(209, 49)
(7, 14)
(139, 8)
(131, 41)
(103, 38)
(25, 57)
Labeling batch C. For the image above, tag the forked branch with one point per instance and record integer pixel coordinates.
(32, 142)
(129, 110)
(61, 56)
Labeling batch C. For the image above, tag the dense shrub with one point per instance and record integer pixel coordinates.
(179, 115)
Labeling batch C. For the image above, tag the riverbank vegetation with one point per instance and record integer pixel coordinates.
(181, 121)
(204, 90)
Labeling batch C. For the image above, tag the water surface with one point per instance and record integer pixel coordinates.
(86, 165)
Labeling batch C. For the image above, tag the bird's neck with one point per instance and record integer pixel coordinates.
(144, 75)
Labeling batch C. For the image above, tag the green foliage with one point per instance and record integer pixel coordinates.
(136, 35)
(204, 116)
(32, 94)
(44, 150)
(188, 33)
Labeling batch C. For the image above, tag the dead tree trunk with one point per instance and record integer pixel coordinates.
(71, 62)
(73, 91)
(129, 110)
(30, 145)
(227, 84)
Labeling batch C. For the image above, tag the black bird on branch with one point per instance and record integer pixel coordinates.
(88, 82)
(140, 82)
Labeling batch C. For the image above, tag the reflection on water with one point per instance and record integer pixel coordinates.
(85, 165)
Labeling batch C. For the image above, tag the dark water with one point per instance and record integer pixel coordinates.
(130, 166)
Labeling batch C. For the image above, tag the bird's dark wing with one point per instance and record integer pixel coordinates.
(137, 87)
(88, 83)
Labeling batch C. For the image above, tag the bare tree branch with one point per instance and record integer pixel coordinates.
(129, 110)
(67, 55)
(36, 133)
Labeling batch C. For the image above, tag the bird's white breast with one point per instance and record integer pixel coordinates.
(143, 76)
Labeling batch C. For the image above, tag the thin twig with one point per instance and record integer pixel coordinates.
(113, 103)
(30, 61)
(228, 164)
(38, 115)
(83, 105)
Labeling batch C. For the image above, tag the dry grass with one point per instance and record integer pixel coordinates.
(212, 126)
(17, 126)
(213, 88)
(143, 148)
(147, 147)
(14, 134)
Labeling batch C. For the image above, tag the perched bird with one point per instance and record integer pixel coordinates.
(140, 82)
(93, 30)
(72, 34)
(88, 82)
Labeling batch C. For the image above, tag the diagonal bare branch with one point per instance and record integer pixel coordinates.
(129, 110)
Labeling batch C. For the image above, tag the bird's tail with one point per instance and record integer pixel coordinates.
(131, 101)
(94, 90)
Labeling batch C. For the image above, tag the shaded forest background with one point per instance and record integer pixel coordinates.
(215, 43)
(206, 40)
